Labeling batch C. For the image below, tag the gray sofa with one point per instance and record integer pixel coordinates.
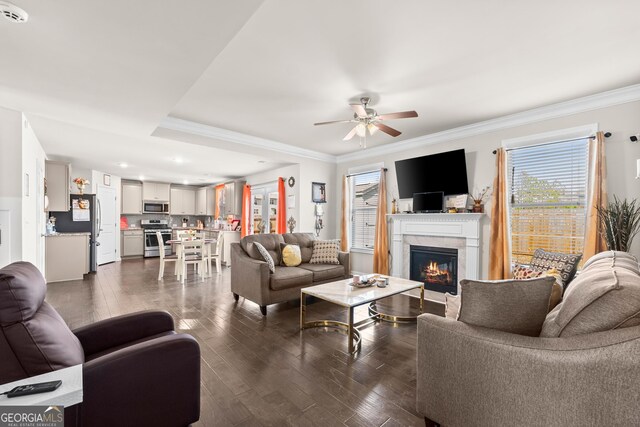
(474, 376)
(251, 278)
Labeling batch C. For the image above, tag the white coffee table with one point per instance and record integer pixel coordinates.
(342, 293)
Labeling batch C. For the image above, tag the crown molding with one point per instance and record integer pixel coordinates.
(195, 128)
(561, 109)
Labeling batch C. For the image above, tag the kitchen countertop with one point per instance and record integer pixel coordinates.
(85, 233)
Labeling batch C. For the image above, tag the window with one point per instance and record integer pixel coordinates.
(364, 207)
(548, 197)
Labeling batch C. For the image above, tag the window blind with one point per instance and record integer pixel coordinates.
(548, 198)
(364, 207)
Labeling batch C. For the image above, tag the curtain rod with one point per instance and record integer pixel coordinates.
(606, 135)
(362, 173)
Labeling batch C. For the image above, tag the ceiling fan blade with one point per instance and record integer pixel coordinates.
(400, 115)
(350, 134)
(329, 123)
(386, 129)
(359, 110)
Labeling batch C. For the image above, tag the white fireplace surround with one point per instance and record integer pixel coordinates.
(460, 231)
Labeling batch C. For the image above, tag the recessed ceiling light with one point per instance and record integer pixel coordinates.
(123, 165)
(185, 182)
(177, 160)
(262, 161)
(141, 177)
(13, 13)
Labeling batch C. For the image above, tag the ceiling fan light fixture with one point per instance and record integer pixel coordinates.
(361, 130)
(372, 128)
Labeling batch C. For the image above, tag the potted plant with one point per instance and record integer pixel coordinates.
(479, 198)
(620, 221)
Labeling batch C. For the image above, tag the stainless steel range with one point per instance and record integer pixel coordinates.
(151, 244)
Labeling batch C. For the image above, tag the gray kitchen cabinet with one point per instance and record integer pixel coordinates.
(132, 243)
(58, 185)
(155, 191)
(183, 201)
(205, 201)
(131, 198)
(232, 198)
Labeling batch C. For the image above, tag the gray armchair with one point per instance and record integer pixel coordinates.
(474, 376)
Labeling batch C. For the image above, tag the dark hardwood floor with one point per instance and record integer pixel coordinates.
(261, 370)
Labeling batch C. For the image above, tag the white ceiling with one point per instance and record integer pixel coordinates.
(96, 77)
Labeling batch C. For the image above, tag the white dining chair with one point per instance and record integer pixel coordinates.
(192, 253)
(216, 255)
(163, 257)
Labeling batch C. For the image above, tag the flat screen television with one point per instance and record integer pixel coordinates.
(428, 202)
(446, 172)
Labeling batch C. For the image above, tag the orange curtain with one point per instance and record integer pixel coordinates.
(500, 239)
(219, 192)
(593, 239)
(381, 239)
(346, 211)
(281, 219)
(246, 211)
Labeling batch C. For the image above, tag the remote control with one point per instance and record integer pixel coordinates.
(27, 389)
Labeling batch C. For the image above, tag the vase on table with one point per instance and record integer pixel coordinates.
(81, 188)
(478, 207)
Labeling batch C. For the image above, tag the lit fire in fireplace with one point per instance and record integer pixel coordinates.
(435, 273)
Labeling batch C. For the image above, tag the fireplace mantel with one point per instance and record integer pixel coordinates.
(441, 225)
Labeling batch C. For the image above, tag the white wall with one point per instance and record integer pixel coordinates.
(621, 120)
(33, 214)
(305, 173)
(10, 188)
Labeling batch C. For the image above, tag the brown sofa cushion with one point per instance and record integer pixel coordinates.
(605, 296)
(515, 306)
(304, 240)
(290, 277)
(322, 272)
(22, 291)
(271, 243)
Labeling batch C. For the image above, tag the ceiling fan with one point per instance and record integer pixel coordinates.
(368, 119)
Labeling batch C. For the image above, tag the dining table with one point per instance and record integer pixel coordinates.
(179, 253)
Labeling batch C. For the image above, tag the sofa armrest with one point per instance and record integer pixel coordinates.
(345, 260)
(249, 277)
(468, 375)
(116, 331)
(156, 382)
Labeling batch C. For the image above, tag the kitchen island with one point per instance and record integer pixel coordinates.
(67, 256)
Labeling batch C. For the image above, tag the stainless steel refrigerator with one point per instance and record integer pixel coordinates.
(65, 224)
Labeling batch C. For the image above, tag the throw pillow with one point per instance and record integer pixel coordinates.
(290, 255)
(566, 264)
(325, 252)
(515, 306)
(605, 296)
(451, 306)
(267, 257)
(521, 272)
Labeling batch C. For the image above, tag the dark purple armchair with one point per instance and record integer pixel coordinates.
(136, 369)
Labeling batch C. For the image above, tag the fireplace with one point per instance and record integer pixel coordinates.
(436, 267)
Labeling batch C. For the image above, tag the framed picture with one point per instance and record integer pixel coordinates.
(318, 192)
(106, 180)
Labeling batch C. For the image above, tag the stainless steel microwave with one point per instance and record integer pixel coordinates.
(155, 207)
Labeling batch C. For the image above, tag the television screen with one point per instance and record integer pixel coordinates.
(428, 202)
(446, 172)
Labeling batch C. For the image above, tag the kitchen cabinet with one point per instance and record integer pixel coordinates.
(205, 201)
(155, 191)
(232, 198)
(131, 198)
(229, 238)
(132, 243)
(183, 201)
(67, 256)
(58, 185)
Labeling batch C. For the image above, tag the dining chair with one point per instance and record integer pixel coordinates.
(163, 257)
(216, 255)
(192, 253)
